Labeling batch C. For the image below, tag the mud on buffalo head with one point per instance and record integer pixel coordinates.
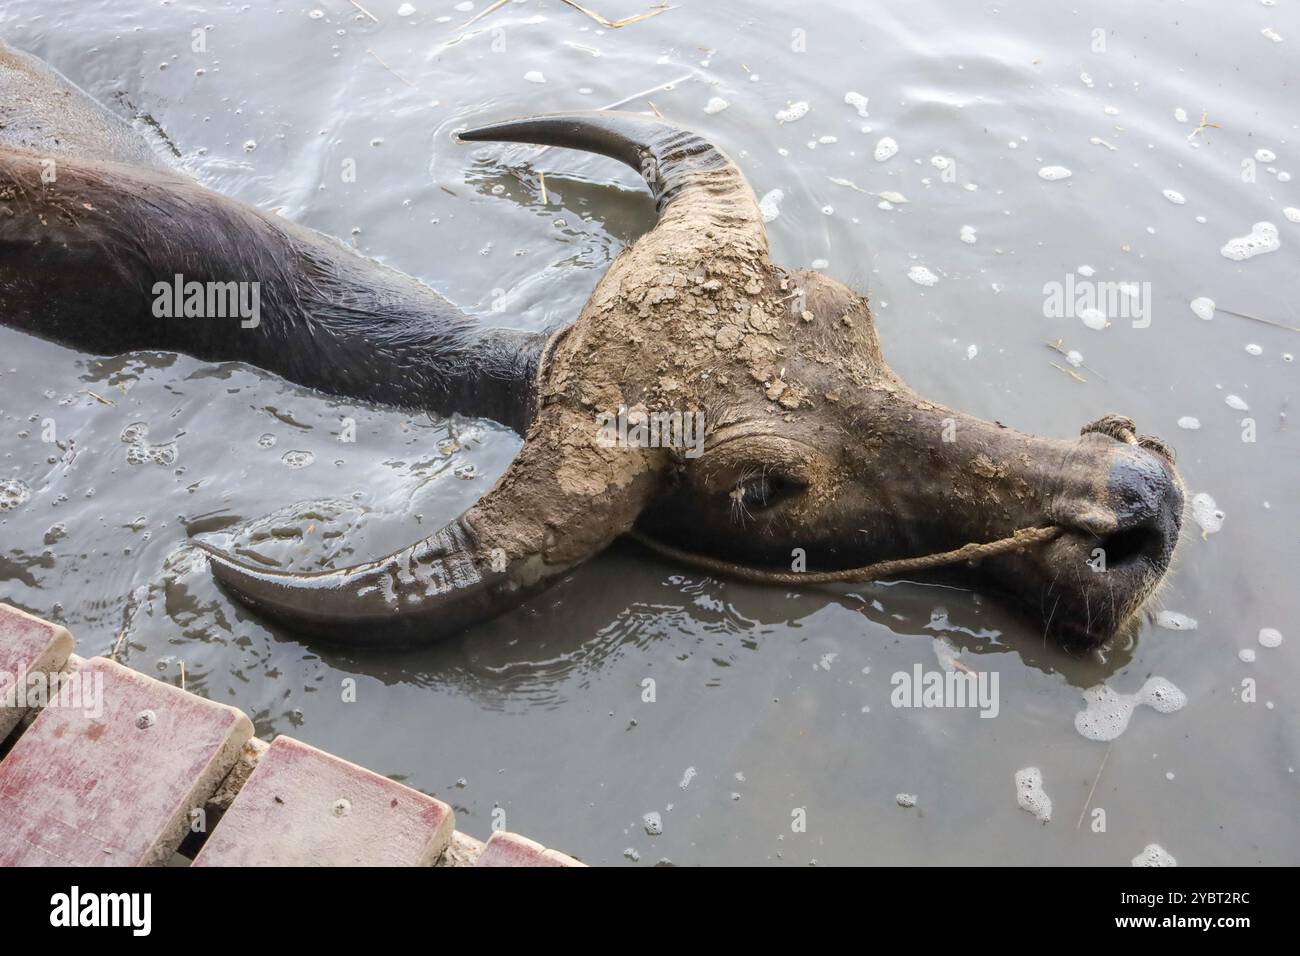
(811, 441)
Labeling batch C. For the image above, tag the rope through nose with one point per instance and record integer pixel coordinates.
(1024, 538)
(1122, 428)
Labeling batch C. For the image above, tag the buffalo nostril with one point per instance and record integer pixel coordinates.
(1127, 547)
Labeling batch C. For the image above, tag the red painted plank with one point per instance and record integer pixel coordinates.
(304, 807)
(511, 849)
(108, 772)
(31, 650)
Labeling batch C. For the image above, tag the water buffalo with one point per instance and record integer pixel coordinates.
(810, 453)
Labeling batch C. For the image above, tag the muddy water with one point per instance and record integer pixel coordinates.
(770, 737)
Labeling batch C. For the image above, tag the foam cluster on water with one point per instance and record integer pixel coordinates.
(1203, 308)
(770, 205)
(1031, 796)
(1270, 637)
(1261, 239)
(1107, 712)
(793, 112)
(1206, 513)
(885, 149)
(1153, 854)
(1174, 621)
(13, 493)
(1053, 173)
(922, 276)
(857, 101)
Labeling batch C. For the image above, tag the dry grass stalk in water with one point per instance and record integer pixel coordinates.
(1074, 375)
(1095, 780)
(390, 69)
(99, 398)
(486, 10)
(1255, 318)
(364, 10)
(1059, 346)
(615, 24)
(546, 201)
(1205, 124)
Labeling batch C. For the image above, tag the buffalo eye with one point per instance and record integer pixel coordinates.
(764, 491)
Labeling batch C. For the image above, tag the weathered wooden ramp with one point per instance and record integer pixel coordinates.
(118, 769)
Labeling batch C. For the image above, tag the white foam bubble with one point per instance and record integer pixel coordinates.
(1203, 308)
(1292, 213)
(1269, 637)
(793, 112)
(1093, 318)
(1265, 155)
(1236, 403)
(1268, 33)
(1086, 271)
(885, 149)
(1174, 197)
(535, 76)
(405, 10)
(1262, 238)
(1189, 422)
(857, 101)
(1153, 854)
(972, 351)
(1175, 621)
(1246, 655)
(1106, 712)
(1206, 513)
(1180, 114)
(13, 493)
(1053, 173)
(905, 799)
(716, 104)
(922, 276)
(770, 205)
(968, 235)
(1254, 349)
(1031, 796)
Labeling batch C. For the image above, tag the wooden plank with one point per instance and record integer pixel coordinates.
(28, 646)
(463, 850)
(108, 773)
(511, 849)
(304, 807)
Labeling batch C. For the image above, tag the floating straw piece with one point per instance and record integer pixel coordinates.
(615, 24)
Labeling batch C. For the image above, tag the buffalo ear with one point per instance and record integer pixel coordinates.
(563, 499)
